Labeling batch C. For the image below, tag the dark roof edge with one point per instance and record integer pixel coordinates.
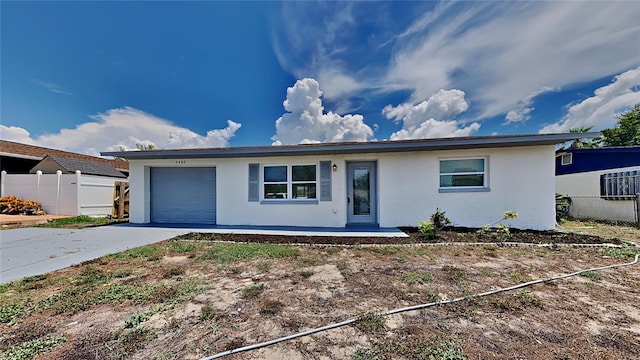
(358, 147)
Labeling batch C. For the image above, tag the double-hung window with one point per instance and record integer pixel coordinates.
(289, 181)
(463, 174)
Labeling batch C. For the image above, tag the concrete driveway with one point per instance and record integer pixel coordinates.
(33, 251)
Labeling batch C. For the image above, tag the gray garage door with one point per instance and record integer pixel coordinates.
(183, 195)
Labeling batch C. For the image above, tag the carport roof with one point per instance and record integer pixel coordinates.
(457, 143)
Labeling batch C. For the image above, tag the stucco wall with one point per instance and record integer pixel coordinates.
(520, 179)
(584, 191)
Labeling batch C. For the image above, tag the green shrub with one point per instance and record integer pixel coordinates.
(426, 228)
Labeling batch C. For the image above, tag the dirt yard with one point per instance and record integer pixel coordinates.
(193, 297)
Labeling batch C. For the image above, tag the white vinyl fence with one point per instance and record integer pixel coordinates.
(63, 194)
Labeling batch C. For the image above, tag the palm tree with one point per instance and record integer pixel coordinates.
(583, 143)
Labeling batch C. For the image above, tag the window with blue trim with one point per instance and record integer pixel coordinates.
(458, 174)
(289, 181)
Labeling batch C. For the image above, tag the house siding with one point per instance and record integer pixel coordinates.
(520, 179)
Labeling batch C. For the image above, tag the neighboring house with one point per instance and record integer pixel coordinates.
(17, 158)
(387, 184)
(52, 163)
(602, 183)
(64, 183)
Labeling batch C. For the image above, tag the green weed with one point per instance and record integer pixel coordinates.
(365, 354)
(370, 322)
(78, 221)
(271, 307)
(14, 310)
(209, 312)
(591, 275)
(253, 291)
(417, 277)
(32, 348)
(306, 273)
(619, 252)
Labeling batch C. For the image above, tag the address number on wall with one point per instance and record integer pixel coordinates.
(181, 162)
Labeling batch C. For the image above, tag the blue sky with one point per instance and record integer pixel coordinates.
(98, 76)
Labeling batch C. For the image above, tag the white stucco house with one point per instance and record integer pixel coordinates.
(386, 184)
(601, 183)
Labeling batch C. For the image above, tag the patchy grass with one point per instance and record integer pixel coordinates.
(193, 298)
(417, 277)
(225, 254)
(607, 231)
(80, 221)
(253, 291)
(370, 322)
(32, 348)
(591, 275)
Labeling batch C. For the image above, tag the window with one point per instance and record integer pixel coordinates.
(566, 159)
(460, 174)
(290, 182)
(620, 185)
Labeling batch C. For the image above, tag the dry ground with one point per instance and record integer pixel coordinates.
(186, 299)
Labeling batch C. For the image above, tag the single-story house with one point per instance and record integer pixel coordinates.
(601, 183)
(386, 183)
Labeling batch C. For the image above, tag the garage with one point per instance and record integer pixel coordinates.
(183, 195)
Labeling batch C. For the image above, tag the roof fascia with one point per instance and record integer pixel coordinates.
(356, 148)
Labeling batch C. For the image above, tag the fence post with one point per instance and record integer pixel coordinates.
(78, 186)
(4, 177)
(39, 175)
(638, 210)
(59, 173)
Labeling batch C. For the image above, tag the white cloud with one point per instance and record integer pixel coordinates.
(431, 118)
(601, 109)
(16, 134)
(523, 109)
(505, 51)
(499, 53)
(124, 128)
(306, 122)
(51, 87)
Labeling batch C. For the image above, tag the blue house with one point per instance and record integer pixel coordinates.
(602, 183)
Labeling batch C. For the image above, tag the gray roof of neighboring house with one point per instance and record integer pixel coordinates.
(85, 166)
(358, 147)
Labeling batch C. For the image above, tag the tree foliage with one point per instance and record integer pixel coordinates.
(582, 143)
(627, 130)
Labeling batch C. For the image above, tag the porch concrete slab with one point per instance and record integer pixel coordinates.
(34, 251)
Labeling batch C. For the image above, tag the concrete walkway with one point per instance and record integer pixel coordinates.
(33, 251)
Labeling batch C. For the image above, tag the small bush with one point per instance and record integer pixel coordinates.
(439, 219)
(426, 228)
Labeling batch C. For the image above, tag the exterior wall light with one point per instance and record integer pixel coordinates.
(335, 167)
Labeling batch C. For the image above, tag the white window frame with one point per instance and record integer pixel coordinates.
(485, 173)
(566, 159)
(290, 184)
